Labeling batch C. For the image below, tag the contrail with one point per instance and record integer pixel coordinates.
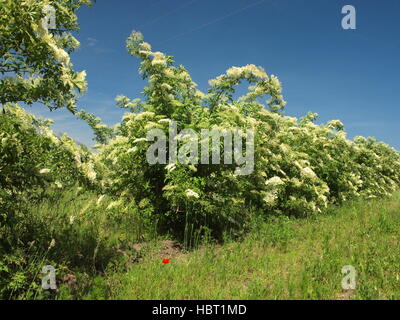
(215, 21)
(168, 13)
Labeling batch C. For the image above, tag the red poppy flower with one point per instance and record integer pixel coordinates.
(165, 261)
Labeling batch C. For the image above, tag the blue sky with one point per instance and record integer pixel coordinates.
(351, 75)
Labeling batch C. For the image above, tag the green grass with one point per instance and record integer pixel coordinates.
(279, 259)
(87, 240)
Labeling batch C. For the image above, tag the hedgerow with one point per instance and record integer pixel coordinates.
(299, 167)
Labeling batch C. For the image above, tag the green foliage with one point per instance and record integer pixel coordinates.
(34, 164)
(300, 167)
(34, 62)
(32, 157)
(70, 230)
(102, 133)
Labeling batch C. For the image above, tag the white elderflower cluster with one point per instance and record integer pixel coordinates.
(335, 124)
(360, 140)
(151, 125)
(21, 114)
(144, 115)
(167, 121)
(159, 59)
(200, 94)
(49, 133)
(246, 72)
(341, 135)
(185, 76)
(140, 140)
(270, 198)
(217, 81)
(275, 83)
(166, 86)
(145, 46)
(60, 54)
(284, 148)
(308, 173)
(169, 187)
(89, 171)
(274, 181)
(79, 81)
(168, 72)
(128, 117)
(132, 150)
(191, 194)
(66, 77)
(170, 167)
(145, 53)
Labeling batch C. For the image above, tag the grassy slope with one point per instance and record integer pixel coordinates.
(282, 259)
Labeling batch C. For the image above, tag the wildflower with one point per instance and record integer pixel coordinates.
(58, 184)
(44, 171)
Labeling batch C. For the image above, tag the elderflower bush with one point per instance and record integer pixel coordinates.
(35, 61)
(300, 167)
(33, 159)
